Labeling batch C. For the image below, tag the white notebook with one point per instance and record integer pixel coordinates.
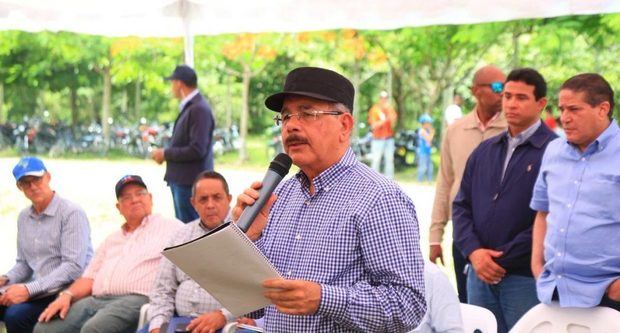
(227, 264)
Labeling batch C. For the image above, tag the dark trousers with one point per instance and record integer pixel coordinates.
(183, 209)
(459, 270)
(21, 318)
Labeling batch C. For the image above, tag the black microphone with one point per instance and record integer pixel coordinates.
(277, 170)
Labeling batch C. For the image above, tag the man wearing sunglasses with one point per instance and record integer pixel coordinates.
(53, 248)
(459, 140)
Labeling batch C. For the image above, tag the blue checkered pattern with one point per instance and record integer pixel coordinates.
(357, 236)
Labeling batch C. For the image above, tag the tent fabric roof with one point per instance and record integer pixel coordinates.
(169, 18)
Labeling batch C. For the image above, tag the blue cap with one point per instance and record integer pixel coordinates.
(425, 118)
(29, 166)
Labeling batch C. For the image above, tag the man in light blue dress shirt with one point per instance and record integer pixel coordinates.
(575, 254)
(53, 248)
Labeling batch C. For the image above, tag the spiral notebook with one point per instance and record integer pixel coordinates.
(227, 264)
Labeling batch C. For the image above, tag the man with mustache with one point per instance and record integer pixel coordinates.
(175, 293)
(108, 296)
(575, 253)
(344, 237)
(491, 215)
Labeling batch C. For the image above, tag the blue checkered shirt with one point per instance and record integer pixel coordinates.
(357, 236)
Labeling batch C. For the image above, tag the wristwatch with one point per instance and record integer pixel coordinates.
(66, 292)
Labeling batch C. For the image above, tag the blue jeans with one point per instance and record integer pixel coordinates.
(509, 300)
(183, 209)
(21, 318)
(110, 314)
(383, 149)
(425, 167)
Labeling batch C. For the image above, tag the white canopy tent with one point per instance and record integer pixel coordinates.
(170, 18)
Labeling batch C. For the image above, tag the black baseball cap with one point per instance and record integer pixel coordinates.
(314, 82)
(185, 74)
(126, 180)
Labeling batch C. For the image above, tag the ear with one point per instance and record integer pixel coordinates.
(542, 103)
(193, 202)
(605, 108)
(118, 207)
(346, 123)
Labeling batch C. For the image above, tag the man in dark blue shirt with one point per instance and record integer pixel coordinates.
(191, 147)
(491, 214)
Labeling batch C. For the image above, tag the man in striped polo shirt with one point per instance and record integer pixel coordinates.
(53, 248)
(108, 297)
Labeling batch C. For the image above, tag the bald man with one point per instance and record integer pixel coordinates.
(461, 138)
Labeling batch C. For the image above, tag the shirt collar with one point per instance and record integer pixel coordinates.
(204, 228)
(329, 177)
(526, 134)
(498, 120)
(536, 134)
(187, 98)
(143, 224)
(603, 140)
(51, 208)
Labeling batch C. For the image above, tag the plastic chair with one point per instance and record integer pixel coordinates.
(144, 311)
(554, 319)
(478, 319)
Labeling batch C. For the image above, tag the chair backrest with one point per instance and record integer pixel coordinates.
(144, 310)
(554, 319)
(478, 319)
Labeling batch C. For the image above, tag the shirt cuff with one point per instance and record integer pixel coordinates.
(156, 322)
(434, 243)
(34, 288)
(333, 302)
(539, 205)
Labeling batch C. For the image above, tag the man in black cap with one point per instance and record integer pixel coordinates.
(344, 237)
(119, 278)
(191, 147)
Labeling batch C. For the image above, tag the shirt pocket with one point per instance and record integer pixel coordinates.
(607, 189)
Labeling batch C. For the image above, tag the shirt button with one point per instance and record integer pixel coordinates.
(576, 182)
(289, 273)
(495, 196)
(568, 205)
(559, 254)
(298, 237)
(562, 230)
(559, 276)
(307, 203)
(583, 159)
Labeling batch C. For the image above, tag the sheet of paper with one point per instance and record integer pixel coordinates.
(228, 265)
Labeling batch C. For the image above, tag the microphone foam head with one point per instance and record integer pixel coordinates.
(281, 164)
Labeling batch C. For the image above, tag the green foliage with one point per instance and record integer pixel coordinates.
(62, 73)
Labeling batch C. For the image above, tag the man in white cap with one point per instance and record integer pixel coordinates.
(53, 248)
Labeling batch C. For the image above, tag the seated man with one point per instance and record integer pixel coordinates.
(53, 248)
(108, 297)
(443, 309)
(174, 291)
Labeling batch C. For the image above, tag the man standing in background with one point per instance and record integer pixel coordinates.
(461, 138)
(382, 118)
(191, 147)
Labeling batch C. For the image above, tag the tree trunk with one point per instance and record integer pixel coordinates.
(138, 98)
(124, 102)
(74, 110)
(515, 48)
(245, 113)
(356, 80)
(105, 105)
(3, 117)
(229, 104)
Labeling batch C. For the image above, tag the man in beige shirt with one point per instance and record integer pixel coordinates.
(460, 139)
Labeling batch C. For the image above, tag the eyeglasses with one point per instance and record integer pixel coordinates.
(496, 87)
(303, 116)
(128, 197)
(26, 182)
